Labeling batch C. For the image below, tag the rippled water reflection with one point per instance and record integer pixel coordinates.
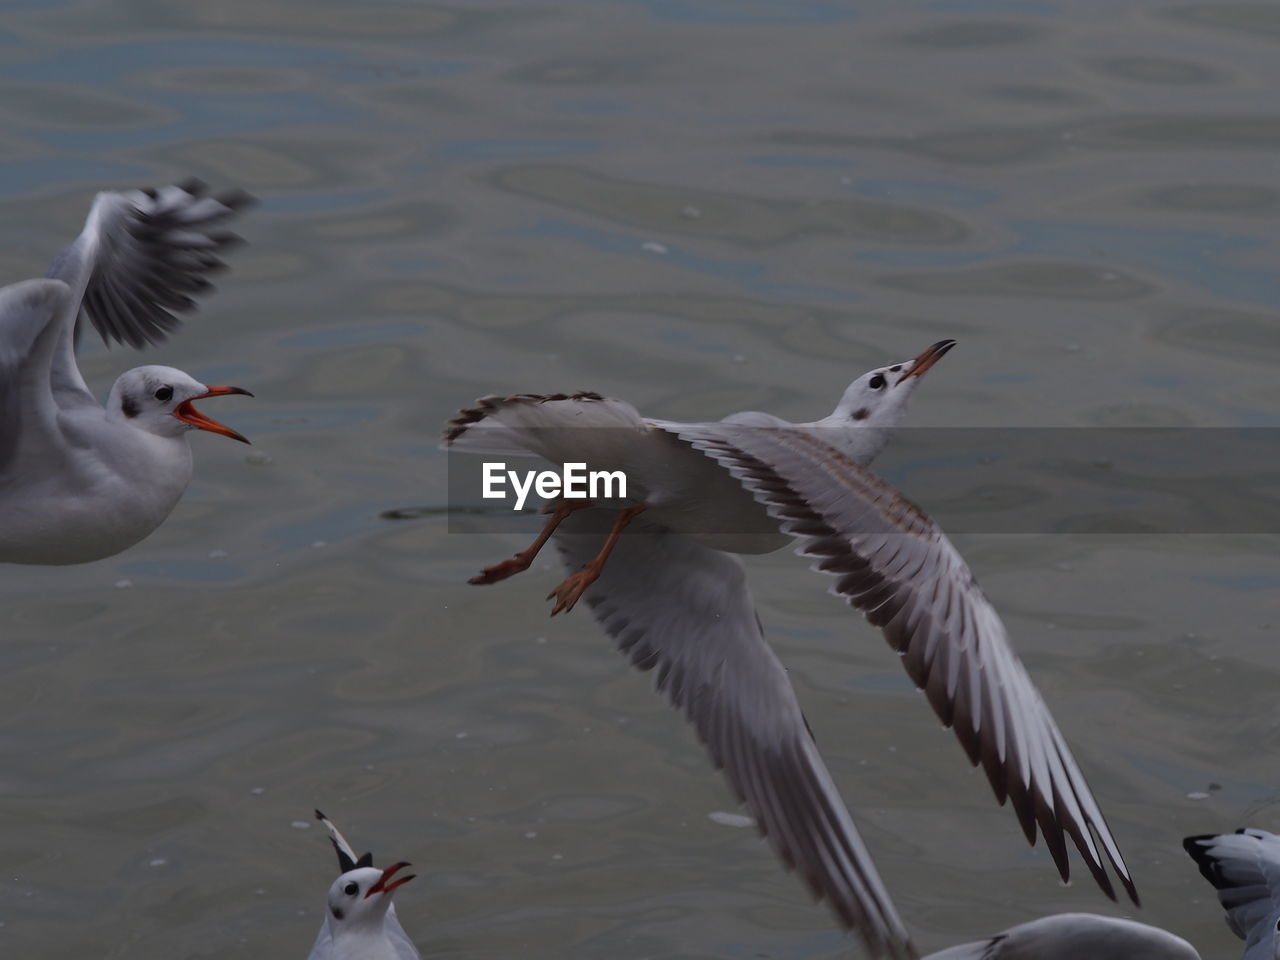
(701, 206)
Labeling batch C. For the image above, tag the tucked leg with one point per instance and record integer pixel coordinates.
(521, 561)
(570, 589)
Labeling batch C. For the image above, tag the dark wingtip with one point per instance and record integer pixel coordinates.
(1131, 888)
(1197, 848)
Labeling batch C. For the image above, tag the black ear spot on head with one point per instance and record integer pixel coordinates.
(129, 406)
(861, 414)
(337, 913)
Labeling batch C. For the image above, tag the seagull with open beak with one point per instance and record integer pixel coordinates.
(360, 920)
(78, 481)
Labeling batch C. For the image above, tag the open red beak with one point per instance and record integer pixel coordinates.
(189, 414)
(382, 886)
(927, 358)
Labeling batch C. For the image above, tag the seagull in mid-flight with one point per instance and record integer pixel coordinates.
(674, 598)
(78, 481)
(360, 920)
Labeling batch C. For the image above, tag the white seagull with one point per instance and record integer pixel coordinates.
(1244, 867)
(675, 600)
(78, 481)
(360, 920)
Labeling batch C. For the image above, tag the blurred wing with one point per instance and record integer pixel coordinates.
(28, 338)
(142, 257)
(895, 565)
(1244, 867)
(684, 611)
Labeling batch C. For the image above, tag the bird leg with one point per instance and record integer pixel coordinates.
(571, 588)
(521, 561)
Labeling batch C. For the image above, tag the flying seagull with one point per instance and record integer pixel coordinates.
(78, 481)
(675, 599)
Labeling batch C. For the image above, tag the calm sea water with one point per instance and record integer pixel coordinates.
(701, 206)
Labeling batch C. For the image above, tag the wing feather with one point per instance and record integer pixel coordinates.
(894, 564)
(683, 610)
(29, 333)
(545, 425)
(141, 254)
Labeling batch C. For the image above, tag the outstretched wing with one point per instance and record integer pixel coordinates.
(556, 426)
(684, 611)
(143, 256)
(895, 565)
(1244, 867)
(29, 333)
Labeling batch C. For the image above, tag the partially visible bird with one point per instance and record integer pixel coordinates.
(1075, 936)
(360, 920)
(78, 481)
(1244, 867)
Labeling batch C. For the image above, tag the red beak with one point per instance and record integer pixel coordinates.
(383, 887)
(189, 414)
(927, 358)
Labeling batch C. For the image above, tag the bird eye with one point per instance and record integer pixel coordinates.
(164, 394)
(351, 889)
(877, 382)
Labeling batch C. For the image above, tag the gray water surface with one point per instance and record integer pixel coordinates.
(701, 206)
